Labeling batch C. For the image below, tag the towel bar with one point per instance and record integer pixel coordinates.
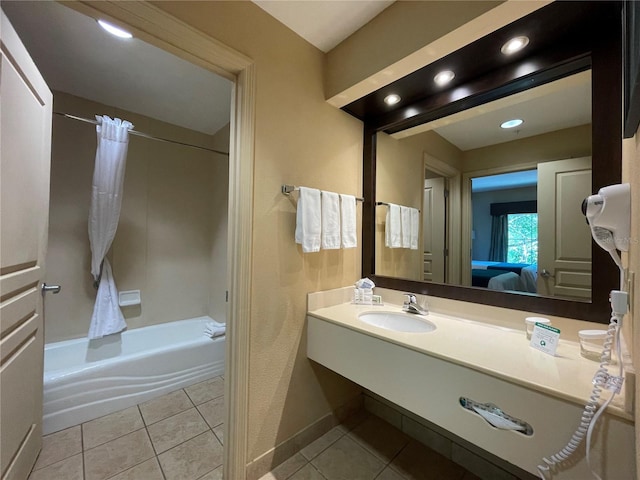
(287, 189)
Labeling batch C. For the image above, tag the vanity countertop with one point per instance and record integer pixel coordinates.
(498, 351)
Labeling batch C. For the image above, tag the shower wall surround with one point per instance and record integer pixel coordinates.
(171, 241)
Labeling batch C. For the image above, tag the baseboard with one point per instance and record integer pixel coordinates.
(288, 448)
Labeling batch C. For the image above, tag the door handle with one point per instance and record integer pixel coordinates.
(546, 273)
(50, 288)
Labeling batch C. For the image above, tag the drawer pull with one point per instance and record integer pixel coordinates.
(496, 417)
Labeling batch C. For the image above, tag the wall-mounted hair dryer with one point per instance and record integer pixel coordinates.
(609, 216)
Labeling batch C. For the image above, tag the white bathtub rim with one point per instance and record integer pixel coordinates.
(98, 366)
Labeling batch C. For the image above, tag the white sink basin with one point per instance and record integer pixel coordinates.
(399, 322)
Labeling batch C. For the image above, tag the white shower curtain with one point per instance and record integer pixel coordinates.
(106, 200)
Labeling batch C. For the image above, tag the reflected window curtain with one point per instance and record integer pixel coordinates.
(104, 213)
(499, 238)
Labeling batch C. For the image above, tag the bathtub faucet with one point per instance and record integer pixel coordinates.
(411, 305)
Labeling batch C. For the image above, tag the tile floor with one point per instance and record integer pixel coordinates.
(373, 450)
(174, 437)
(179, 437)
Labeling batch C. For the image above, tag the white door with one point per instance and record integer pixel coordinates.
(25, 151)
(564, 239)
(433, 229)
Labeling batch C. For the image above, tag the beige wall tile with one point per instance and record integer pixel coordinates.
(109, 427)
(379, 438)
(162, 407)
(192, 459)
(118, 455)
(426, 436)
(383, 411)
(420, 463)
(67, 469)
(172, 431)
(478, 465)
(58, 446)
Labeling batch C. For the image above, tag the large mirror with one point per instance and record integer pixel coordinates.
(580, 54)
(495, 189)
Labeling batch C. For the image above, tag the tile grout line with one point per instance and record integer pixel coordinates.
(84, 468)
(396, 456)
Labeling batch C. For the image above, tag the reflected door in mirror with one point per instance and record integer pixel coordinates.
(564, 255)
(434, 229)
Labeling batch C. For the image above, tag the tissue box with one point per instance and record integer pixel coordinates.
(363, 296)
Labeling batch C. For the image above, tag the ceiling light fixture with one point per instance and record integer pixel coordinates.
(392, 99)
(515, 45)
(444, 77)
(113, 30)
(512, 123)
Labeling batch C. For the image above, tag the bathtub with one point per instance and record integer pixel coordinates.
(86, 379)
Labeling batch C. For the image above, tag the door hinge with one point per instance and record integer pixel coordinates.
(226, 296)
(446, 252)
(446, 193)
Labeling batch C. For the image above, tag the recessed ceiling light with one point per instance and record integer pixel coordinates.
(444, 77)
(512, 123)
(113, 30)
(514, 45)
(392, 99)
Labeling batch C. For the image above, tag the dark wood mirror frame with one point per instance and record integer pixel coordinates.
(597, 48)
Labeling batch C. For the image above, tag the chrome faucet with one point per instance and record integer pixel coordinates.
(411, 305)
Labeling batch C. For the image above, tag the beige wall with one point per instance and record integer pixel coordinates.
(400, 179)
(300, 140)
(401, 29)
(567, 143)
(171, 239)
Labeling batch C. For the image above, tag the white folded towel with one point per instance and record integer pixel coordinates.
(215, 329)
(393, 227)
(330, 214)
(405, 220)
(308, 226)
(415, 228)
(348, 221)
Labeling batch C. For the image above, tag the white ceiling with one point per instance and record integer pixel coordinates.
(323, 23)
(76, 56)
(554, 106)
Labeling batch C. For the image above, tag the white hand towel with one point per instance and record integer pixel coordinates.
(308, 225)
(415, 228)
(215, 329)
(405, 220)
(330, 213)
(393, 227)
(348, 221)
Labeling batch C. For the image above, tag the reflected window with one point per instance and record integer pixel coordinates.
(522, 238)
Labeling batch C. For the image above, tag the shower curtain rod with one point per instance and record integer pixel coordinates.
(144, 135)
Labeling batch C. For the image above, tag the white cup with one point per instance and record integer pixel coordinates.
(531, 323)
(592, 344)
